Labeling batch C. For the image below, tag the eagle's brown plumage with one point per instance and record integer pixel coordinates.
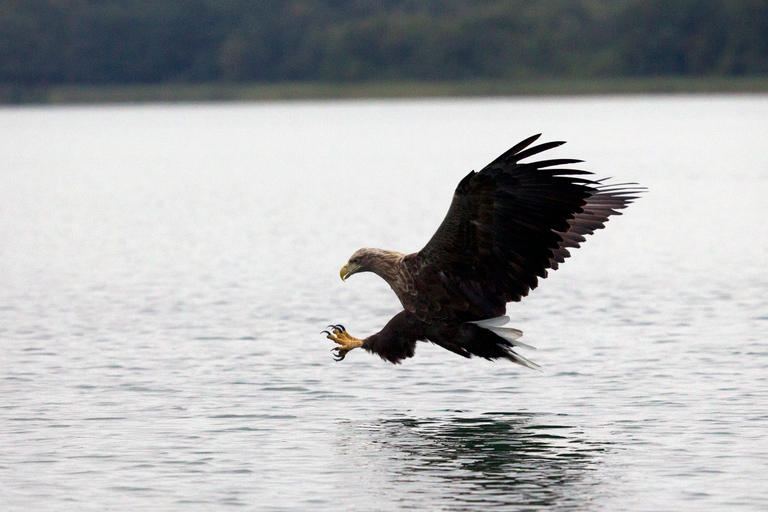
(506, 226)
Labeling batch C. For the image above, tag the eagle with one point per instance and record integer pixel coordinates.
(507, 225)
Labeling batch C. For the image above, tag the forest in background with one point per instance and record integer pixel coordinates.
(117, 42)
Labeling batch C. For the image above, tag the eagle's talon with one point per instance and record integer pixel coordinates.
(344, 340)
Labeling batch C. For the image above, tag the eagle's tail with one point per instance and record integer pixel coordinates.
(492, 339)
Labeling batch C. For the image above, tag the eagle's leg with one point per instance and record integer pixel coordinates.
(345, 341)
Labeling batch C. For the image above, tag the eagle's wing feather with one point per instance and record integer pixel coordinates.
(605, 201)
(507, 225)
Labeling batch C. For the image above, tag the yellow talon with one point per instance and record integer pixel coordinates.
(344, 340)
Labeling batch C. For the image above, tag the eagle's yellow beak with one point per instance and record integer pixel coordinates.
(348, 269)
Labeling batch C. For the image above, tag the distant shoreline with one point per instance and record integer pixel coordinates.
(227, 92)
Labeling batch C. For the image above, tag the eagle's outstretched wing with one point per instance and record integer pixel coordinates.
(507, 225)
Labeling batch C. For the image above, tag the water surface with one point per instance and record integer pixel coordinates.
(166, 270)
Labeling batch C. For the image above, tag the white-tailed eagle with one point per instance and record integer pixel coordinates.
(507, 225)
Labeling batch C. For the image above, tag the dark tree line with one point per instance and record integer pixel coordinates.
(48, 42)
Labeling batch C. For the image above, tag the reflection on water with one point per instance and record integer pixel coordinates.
(494, 459)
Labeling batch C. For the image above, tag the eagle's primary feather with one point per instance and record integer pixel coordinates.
(506, 226)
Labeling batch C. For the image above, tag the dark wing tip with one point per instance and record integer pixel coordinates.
(519, 152)
(535, 150)
(511, 152)
(626, 192)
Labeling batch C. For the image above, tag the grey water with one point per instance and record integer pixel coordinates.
(165, 272)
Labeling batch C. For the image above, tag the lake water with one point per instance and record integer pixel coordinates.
(165, 272)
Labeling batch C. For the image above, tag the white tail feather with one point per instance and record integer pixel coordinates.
(511, 334)
(517, 358)
(496, 326)
(508, 333)
(492, 322)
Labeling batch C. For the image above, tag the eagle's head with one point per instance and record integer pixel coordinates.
(385, 264)
(360, 261)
